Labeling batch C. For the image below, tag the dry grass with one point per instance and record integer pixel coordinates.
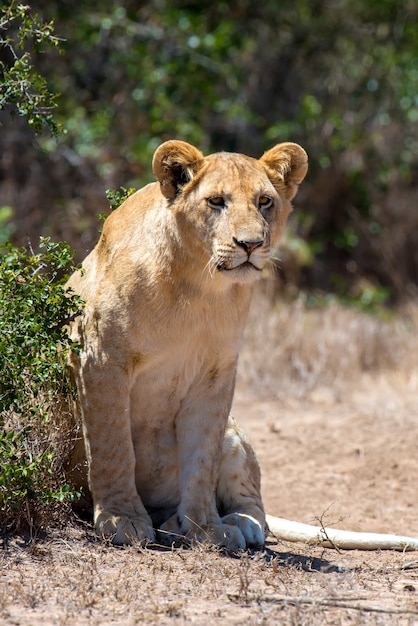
(84, 582)
(291, 349)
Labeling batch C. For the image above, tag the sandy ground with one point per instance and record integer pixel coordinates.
(349, 461)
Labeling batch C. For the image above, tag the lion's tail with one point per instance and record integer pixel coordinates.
(334, 538)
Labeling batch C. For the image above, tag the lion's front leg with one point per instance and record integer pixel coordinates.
(200, 427)
(104, 398)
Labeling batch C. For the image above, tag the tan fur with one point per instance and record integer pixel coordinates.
(166, 292)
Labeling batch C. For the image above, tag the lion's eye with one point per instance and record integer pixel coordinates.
(216, 202)
(265, 202)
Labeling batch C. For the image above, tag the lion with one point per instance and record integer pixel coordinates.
(166, 292)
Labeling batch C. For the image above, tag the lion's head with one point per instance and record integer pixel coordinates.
(230, 208)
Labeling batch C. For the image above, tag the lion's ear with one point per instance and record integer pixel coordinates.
(175, 163)
(287, 163)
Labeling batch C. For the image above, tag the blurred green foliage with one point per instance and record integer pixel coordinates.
(6, 223)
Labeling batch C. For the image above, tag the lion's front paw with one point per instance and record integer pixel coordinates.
(223, 535)
(228, 536)
(170, 533)
(249, 527)
(125, 529)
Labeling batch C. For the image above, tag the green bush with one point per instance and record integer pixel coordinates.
(37, 426)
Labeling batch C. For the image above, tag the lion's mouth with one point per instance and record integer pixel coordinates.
(243, 266)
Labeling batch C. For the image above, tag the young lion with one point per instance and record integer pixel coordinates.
(166, 292)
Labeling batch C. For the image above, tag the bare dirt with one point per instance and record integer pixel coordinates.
(344, 453)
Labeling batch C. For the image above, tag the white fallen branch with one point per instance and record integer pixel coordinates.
(287, 530)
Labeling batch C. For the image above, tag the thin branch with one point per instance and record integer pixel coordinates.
(66, 320)
(409, 565)
(353, 603)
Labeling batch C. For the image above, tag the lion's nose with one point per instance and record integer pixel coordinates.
(249, 246)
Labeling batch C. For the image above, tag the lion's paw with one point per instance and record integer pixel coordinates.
(223, 535)
(250, 528)
(169, 533)
(125, 529)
